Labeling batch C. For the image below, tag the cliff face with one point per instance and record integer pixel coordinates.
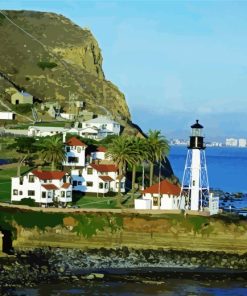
(51, 57)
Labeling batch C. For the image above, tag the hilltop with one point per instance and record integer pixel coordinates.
(50, 57)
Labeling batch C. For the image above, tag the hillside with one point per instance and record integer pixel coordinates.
(50, 57)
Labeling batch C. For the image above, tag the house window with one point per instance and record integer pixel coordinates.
(101, 185)
(45, 181)
(78, 149)
(68, 194)
(49, 194)
(79, 183)
(62, 193)
(80, 173)
(89, 184)
(106, 185)
(20, 192)
(121, 185)
(21, 180)
(89, 171)
(31, 193)
(67, 149)
(43, 194)
(155, 201)
(15, 192)
(72, 159)
(31, 178)
(74, 183)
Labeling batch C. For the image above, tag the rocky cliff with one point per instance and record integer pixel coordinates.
(50, 57)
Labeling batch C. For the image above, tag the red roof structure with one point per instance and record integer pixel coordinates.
(106, 178)
(49, 186)
(101, 149)
(164, 187)
(75, 142)
(49, 175)
(104, 167)
(66, 185)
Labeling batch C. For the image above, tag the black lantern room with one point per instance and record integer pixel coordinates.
(196, 138)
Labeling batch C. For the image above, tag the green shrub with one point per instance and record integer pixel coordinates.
(23, 108)
(27, 202)
(46, 64)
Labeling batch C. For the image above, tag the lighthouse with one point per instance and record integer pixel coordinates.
(195, 187)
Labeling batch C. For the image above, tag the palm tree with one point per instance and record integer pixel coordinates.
(158, 149)
(140, 153)
(120, 151)
(52, 150)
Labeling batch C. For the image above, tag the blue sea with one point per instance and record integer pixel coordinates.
(227, 167)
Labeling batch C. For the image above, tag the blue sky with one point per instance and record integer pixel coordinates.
(174, 60)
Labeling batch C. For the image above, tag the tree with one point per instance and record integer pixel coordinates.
(140, 152)
(158, 149)
(120, 151)
(26, 147)
(52, 150)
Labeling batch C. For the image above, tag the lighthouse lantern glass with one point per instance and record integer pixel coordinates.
(196, 132)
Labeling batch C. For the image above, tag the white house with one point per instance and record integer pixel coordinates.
(100, 178)
(45, 187)
(88, 132)
(105, 125)
(169, 197)
(43, 131)
(75, 153)
(7, 116)
(99, 154)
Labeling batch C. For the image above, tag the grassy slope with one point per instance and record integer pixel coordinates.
(73, 49)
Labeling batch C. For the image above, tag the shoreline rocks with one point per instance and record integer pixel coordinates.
(30, 267)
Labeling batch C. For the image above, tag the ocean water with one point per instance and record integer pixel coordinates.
(170, 287)
(227, 166)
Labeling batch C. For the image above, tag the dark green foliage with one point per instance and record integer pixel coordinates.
(38, 219)
(24, 145)
(22, 108)
(27, 202)
(89, 224)
(2, 18)
(46, 64)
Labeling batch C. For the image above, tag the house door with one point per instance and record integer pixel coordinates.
(17, 102)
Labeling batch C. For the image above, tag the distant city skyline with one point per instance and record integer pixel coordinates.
(175, 61)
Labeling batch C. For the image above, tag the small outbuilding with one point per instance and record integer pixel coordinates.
(21, 98)
(165, 192)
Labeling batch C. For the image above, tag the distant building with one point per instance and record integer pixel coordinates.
(232, 142)
(21, 98)
(7, 116)
(43, 131)
(105, 126)
(242, 143)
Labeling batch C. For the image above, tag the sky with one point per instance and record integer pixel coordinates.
(175, 61)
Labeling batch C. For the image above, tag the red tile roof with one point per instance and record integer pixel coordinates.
(164, 187)
(106, 178)
(104, 167)
(49, 186)
(66, 185)
(49, 175)
(101, 149)
(75, 142)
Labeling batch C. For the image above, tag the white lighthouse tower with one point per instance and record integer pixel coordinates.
(195, 187)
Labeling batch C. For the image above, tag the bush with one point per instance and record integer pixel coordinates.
(27, 202)
(23, 108)
(46, 64)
